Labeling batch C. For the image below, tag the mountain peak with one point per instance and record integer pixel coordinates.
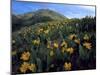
(41, 15)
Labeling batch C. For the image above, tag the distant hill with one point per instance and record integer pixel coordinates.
(30, 18)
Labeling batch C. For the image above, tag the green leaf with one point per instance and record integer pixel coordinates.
(83, 53)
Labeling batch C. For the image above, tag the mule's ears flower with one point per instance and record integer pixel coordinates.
(25, 56)
(67, 66)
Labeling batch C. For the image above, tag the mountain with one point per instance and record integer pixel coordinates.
(31, 18)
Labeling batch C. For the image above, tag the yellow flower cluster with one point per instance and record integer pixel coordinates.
(64, 47)
(42, 30)
(50, 25)
(87, 45)
(69, 50)
(26, 66)
(67, 66)
(36, 42)
(25, 56)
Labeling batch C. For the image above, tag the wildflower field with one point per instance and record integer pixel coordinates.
(52, 46)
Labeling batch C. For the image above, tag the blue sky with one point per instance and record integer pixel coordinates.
(70, 11)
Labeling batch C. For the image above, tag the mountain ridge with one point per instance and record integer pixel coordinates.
(31, 18)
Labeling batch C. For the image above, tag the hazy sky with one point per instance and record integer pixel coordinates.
(70, 11)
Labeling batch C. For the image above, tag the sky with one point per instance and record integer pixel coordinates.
(70, 11)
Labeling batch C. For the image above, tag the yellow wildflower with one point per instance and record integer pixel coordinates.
(72, 36)
(63, 49)
(64, 44)
(70, 50)
(67, 66)
(86, 37)
(24, 67)
(56, 45)
(46, 31)
(25, 56)
(32, 67)
(51, 53)
(77, 41)
(87, 45)
(49, 44)
(36, 42)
